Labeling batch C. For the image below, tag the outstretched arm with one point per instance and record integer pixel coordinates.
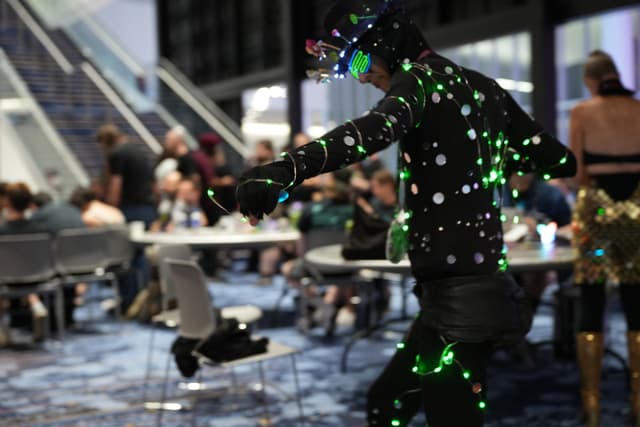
(397, 113)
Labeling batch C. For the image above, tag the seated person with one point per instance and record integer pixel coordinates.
(94, 212)
(332, 213)
(179, 204)
(187, 212)
(383, 204)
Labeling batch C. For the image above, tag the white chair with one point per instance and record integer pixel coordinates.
(197, 321)
(170, 317)
(26, 266)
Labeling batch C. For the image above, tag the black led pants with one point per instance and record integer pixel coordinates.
(448, 398)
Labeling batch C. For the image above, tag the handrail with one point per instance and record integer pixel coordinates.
(42, 36)
(172, 122)
(113, 45)
(202, 105)
(122, 107)
(52, 135)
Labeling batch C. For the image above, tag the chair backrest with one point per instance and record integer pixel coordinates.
(194, 302)
(119, 246)
(323, 237)
(164, 252)
(81, 251)
(26, 258)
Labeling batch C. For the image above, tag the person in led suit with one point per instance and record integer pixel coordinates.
(605, 135)
(459, 135)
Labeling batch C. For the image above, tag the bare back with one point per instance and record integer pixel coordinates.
(606, 126)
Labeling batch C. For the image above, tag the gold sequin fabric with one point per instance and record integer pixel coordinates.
(606, 234)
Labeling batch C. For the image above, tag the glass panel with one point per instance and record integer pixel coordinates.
(576, 39)
(506, 58)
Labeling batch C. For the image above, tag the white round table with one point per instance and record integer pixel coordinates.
(217, 238)
(522, 257)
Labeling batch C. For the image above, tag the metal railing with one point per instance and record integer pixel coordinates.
(40, 138)
(122, 107)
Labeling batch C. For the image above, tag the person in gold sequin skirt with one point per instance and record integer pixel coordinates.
(605, 137)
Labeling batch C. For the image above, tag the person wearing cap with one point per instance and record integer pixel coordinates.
(459, 136)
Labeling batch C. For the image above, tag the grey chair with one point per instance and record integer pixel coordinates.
(120, 249)
(27, 266)
(198, 322)
(83, 255)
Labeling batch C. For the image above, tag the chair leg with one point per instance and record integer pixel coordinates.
(263, 385)
(116, 296)
(147, 374)
(59, 302)
(298, 391)
(163, 396)
(195, 400)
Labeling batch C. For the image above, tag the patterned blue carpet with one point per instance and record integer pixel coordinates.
(97, 379)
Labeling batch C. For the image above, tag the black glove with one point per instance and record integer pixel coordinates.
(259, 188)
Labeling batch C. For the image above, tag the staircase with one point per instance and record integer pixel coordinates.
(73, 103)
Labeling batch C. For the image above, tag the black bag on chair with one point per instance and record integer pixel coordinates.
(368, 236)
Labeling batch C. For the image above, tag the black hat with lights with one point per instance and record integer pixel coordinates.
(361, 29)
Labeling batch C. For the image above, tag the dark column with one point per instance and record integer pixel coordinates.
(543, 65)
(293, 41)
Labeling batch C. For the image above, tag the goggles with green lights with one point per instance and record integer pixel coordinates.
(360, 63)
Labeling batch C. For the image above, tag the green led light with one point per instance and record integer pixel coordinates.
(526, 142)
(395, 423)
(407, 67)
(601, 211)
(361, 149)
(283, 154)
(563, 160)
(210, 192)
(515, 193)
(448, 359)
(485, 134)
(520, 173)
(503, 218)
(405, 227)
(401, 99)
(400, 346)
(479, 161)
(476, 95)
(439, 86)
(546, 177)
(493, 175)
(516, 219)
(498, 158)
(414, 369)
(466, 375)
(459, 80)
(407, 215)
(269, 181)
(500, 262)
(438, 369)
(482, 405)
(322, 142)
(388, 124)
(516, 156)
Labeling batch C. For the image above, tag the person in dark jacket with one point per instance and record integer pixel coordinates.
(459, 137)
